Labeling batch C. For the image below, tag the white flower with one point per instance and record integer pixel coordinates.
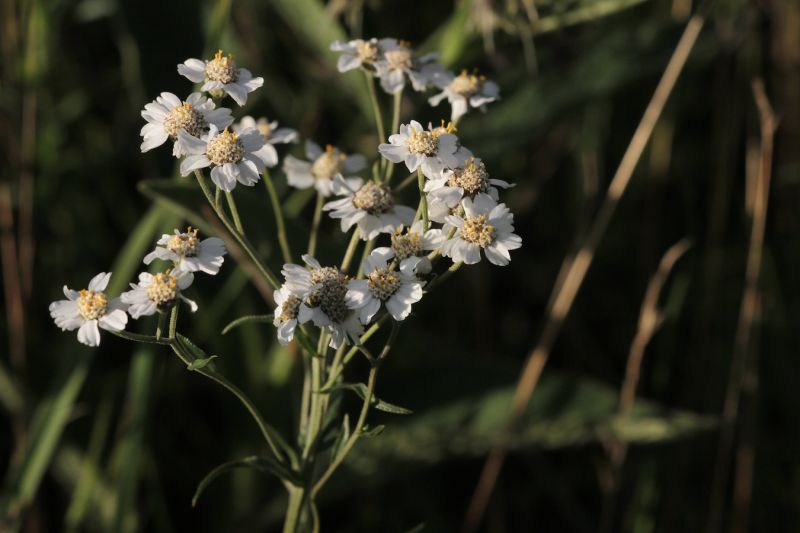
(231, 157)
(486, 226)
(288, 305)
(323, 291)
(321, 168)
(359, 52)
(188, 253)
(433, 150)
(221, 76)
(272, 135)
(464, 91)
(384, 284)
(87, 309)
(398, 61)
(167, 115)
(159, 292)
(467, 180)
(370, 205)
(412, 245)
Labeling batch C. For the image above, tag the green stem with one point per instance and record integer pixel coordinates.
(367, 250)
(278, 212)
(423, 199)
(240, 238)
(234, 212)
(162, 321)
(351, 250)
(312, 239)
(376, 108)
(398, 99)
(294, 509)
(137, 337)
(315, 418)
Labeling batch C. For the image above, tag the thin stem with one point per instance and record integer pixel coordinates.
(240, 238)
(376, 109)
(237, 221)
(137, 337)
(423, 199)
(312, 239)
(315, 418)
(278, 212)
(173, 321)
(351, 250)
(398, 99)
(367, 250)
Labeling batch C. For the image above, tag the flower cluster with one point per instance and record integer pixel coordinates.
(90, 308)
(393, 62)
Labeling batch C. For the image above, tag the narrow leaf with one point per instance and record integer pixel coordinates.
(245, 319)
(262, 464)
(361, 390)
(197, 364)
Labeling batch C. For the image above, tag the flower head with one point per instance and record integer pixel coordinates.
(157, 292)
(464, 181)
(433, 150)
(271, 133)
(399, 61)
(321, 168)
(410, 245)
(370, 205)
(464, 91)
(358, 52)
(486, 225)
(232, 157)
(167, 115)
(322, 291)
(188, 253)
(384, 284)
(220, 76)
(88, 309)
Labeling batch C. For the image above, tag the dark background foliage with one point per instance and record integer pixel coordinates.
(116, 439)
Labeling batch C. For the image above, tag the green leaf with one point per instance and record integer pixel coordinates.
(262, 464)
(245, 319)
(341, 438)
(200, 358)
(197, 364)
(368, 432)
(361, 390)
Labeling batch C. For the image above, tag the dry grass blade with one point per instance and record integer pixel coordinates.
(744, 349)
(650, 320)
(574, 270)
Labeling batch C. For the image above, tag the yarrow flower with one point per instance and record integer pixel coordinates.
(398, 61)
(157, 292)
(370, 205)
(467, 180)
(188, 253)
(358, 52)
(410, 245)
(272, 135)
(433, 150)
(464, 91)
(220, 77)
(233, 158)
(167, 115)
(323, 293)
(286, 311)
(88, 309)
(321, 168)
(384, 284)
(486, 225)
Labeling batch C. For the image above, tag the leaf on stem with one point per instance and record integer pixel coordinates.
(262, 464)
(200, 358)
(362, 390)
(245, 319)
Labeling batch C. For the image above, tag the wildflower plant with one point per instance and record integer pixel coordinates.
(330, 311)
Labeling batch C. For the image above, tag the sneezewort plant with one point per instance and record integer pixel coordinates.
(330, 312)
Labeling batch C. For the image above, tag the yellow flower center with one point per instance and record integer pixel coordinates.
(472, 177)
(184, 244)
(405, 246)
(225, 148)
(422, 142)
(264, 128)
(92, 305)
(367, 51)
(163, 288)
(221, 68)
(184, 117)
(400, 59)
(383, 283)
(475, 230)
(374, 198)
(467, 84)
(327, 165)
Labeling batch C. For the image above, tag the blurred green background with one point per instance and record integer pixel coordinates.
(116, 439)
